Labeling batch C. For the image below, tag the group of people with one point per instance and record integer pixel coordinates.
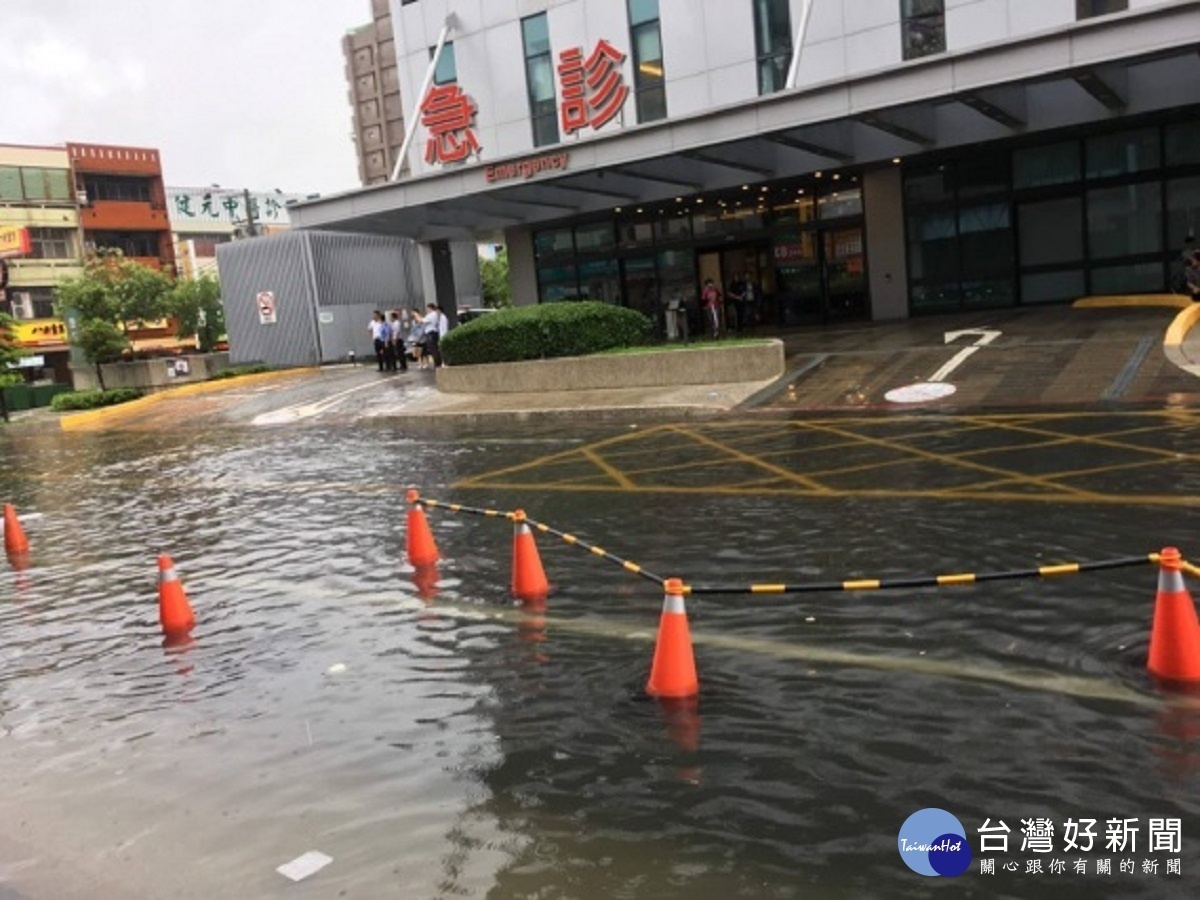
(409, 333)
(740, 305)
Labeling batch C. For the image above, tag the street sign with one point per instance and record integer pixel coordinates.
(266, 308)
(14, 240)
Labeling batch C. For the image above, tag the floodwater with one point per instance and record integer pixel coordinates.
(437, 740)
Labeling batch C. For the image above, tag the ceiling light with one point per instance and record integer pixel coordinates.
(896, 160)
(745, 187)
(817, 174)
(618, 209)
(836, 176)
(765, 188)
(678, 199)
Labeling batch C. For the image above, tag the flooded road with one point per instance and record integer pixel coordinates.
(438, 740)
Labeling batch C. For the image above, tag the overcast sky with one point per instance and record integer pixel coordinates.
(240, 93)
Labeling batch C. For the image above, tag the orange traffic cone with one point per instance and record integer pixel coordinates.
(528, 577)
(422, 551)
(174, 612)
(1175, 636)
(673, 673)
(15, 542)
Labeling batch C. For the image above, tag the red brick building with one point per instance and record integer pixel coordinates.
(122, 202)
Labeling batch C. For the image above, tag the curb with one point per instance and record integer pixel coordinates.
(83, 421)
(1133, 301)
(1177, 332)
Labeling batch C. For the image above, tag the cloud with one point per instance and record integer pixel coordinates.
(244, 93)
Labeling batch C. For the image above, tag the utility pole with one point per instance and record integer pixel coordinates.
(251, 230)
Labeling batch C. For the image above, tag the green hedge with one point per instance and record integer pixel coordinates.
(92, 399)
(240, 370)
(544, 332)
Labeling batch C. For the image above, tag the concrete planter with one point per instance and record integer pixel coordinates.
(706, 364)
(151, 375)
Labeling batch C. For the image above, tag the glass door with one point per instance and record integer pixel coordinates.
(845, 273)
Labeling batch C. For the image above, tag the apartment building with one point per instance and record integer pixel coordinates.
(375, 98)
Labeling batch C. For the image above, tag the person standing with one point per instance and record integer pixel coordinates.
(710, 299)
(380, 335)
(399, 329)
(735, 303)
(436, 326)
(749, 314)
(416, 336)
(1191, 276)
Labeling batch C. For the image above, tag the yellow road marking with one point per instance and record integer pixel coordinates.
(754, 461)
(1102, 440)
(938, 457)
(613, 473)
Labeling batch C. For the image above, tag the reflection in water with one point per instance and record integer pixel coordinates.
(470, 747)
(425, 580)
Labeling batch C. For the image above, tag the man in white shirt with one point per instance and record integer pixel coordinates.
(436, 327)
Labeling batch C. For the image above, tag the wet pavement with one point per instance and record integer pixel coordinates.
(1016, 359)
(437, 739)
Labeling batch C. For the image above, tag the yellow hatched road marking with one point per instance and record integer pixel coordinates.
(754, 461)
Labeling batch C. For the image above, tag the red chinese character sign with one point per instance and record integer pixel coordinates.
(593, 89)
(449, 116)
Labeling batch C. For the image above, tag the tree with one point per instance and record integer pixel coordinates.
(101, 342)
(9, 351)
(116, 290)
(197, 306)
(494, 275)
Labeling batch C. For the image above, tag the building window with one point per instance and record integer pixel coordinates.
(206, 244)
(1123, 153)
(51, 243)
(922, 27)
(539, 75)
(40, 185)
(31, 303)
(773, 41)
(117, 188)
(646, 37)
(1089, 9)
(131, 243)
(447, 66)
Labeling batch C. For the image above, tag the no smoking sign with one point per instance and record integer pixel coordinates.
(266, 308)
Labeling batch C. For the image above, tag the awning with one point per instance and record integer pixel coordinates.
(1113, 66)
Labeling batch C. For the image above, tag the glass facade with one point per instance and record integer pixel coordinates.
(645, 36)
(446, 71)
(1088, 9)
(800, 243)
(1102, 213)
(1024, 222)
(922, 27)
(773, 43)
(539, 78)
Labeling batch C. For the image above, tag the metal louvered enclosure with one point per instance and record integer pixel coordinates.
(304, 298)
